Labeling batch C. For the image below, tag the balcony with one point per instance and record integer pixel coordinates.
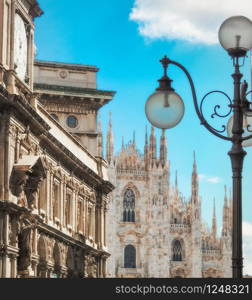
(180, 228)
(215, 252)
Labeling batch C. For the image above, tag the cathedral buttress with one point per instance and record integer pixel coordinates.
(153, 147)
(225, 217)
(163, 149)
(214, 223)
(195, 189)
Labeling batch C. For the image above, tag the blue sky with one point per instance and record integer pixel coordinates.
(102, 33)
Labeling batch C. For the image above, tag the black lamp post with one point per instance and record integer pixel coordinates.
(165, 109)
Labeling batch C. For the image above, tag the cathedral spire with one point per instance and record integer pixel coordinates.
(134, 138)
(195, 183)
(194, 163)
(214, 222)
(226, 215)
(214, 210)
(123, 143)
(163, 149)
(110, 141)
(146, 135)
(153, 146)
(100, 140)
(225, 197)
(230, 210)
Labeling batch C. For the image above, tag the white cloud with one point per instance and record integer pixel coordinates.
(211, 179)
(247, 247)
(191, 20)
(214, 180)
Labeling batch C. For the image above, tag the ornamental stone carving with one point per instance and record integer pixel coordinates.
(25, 180)
(90, 266)
(27, 224)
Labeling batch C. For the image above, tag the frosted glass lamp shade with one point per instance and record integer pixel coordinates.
(235, 35)
(164, 109)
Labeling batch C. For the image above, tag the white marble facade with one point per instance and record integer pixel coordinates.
(152, 230)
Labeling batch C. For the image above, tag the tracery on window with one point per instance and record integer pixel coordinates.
(177, 251)
(129, 206)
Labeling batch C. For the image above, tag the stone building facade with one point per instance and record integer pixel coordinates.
(153, 231)
(54, 183)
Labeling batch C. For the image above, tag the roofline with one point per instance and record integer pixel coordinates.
(44, 88)
(72, 66)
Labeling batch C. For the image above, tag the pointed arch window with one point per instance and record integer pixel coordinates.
(130, 257)
(177, 251)
(129, 206)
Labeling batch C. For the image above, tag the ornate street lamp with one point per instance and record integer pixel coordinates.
(165, 109)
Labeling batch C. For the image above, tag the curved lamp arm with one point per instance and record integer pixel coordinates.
(247, 103)
(246, 138)
(195, 101)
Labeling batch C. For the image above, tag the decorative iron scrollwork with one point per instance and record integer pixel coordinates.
(216, 109)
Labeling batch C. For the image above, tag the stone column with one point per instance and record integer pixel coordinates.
(89, 220)
(35, 263)
(6, 228)
(61, 204)
(13, 259)
(64, 197)
(51, 195)
(104, 226)
(104, 267)
(8, 265)
(101, 220)
(30, 58)
(35, 241)
(4, 263)
(74, 212)
(11, 77)
(47, 195)
(2, 153)
(93, 222)
(98, 224)
(6, 157)
(86, 217)
(17, 147)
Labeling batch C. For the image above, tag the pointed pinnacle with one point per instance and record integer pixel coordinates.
(194, 162)
(225, 198)
(214, 209)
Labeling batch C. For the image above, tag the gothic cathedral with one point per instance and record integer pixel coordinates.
(152, 230)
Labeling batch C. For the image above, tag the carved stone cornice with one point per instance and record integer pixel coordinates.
(60, 65)
(23, 110)
(69, 89)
